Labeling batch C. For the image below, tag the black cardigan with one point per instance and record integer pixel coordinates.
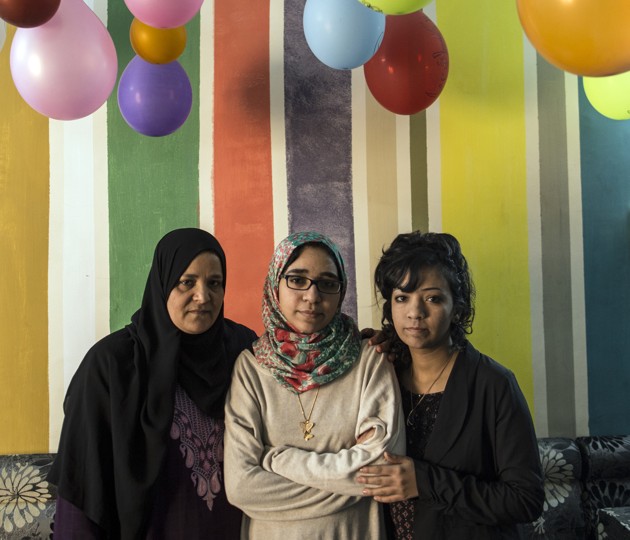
(481, 471)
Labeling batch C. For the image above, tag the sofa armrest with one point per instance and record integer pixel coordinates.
(562, 517)
(606, 461)
(27, 500)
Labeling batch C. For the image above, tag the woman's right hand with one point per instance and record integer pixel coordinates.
(378, 339)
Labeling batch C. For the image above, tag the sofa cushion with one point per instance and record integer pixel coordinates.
(614, 523)
(562, 517)
(27, 500)
(605, 457)
(606, 461)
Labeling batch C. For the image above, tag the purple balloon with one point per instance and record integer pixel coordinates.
(154, 99)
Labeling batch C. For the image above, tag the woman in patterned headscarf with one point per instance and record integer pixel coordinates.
(311, 406)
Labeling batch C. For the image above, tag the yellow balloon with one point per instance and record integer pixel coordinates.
(585, 37)
(396, 7)
(609, 96)
(157, 45)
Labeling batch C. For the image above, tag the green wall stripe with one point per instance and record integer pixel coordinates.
(153, 182)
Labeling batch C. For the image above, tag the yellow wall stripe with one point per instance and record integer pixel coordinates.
(484, 188)
(23, 272)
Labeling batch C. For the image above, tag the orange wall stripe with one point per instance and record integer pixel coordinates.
(242, 153)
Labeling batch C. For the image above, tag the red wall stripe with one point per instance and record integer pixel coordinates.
(242, 153)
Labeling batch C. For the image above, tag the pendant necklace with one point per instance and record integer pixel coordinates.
(307, 425)
(422, 396)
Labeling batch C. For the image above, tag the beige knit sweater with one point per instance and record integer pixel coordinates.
(290, 488)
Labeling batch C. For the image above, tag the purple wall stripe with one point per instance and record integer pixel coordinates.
(319, 144)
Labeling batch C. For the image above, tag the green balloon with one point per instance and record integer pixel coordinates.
(395, 7)
(609, 96)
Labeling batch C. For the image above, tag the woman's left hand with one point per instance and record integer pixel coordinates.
(395, 481)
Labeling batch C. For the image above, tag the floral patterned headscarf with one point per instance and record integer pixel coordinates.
(299, 361)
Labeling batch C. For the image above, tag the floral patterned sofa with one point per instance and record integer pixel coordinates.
(587, 489)
(27, 500)
(587, 492)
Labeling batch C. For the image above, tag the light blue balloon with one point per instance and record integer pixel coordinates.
(343, 34)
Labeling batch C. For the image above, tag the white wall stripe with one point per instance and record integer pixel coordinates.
(74, 266)
(55, 290)
(78, 214)
(534, 225)
(101, 224)
(434, 152)
(278, 136)
(360, 204)
(403, 173)
(101, 204)
(580, 368)
(206, 117)
(79, 267)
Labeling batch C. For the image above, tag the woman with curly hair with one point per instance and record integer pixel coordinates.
(472, 469)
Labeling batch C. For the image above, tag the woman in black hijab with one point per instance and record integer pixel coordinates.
(141, 449)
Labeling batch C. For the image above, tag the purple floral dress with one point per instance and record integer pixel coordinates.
(189, 500)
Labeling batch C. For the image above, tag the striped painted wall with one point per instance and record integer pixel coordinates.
(511, 159)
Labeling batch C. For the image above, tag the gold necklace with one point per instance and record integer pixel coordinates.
(422, 396)
(307, 425)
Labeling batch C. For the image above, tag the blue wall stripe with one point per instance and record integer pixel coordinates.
(605, 160)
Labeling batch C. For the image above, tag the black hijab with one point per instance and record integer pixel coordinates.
(200, 360)
(119, 406)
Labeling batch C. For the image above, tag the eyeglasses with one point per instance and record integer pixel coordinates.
(301, 283)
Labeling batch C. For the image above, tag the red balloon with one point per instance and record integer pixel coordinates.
(28, 13)
(410, 68)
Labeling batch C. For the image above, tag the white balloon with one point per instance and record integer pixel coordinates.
(3, 33)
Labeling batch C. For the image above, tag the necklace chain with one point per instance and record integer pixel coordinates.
(422, 396)
(307, 425)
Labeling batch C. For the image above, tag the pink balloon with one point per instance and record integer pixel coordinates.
(66, 68)
(164, 13)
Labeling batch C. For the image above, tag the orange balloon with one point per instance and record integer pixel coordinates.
(585, 37)
(157, 45)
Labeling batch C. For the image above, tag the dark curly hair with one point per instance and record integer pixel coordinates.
(403, 262)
